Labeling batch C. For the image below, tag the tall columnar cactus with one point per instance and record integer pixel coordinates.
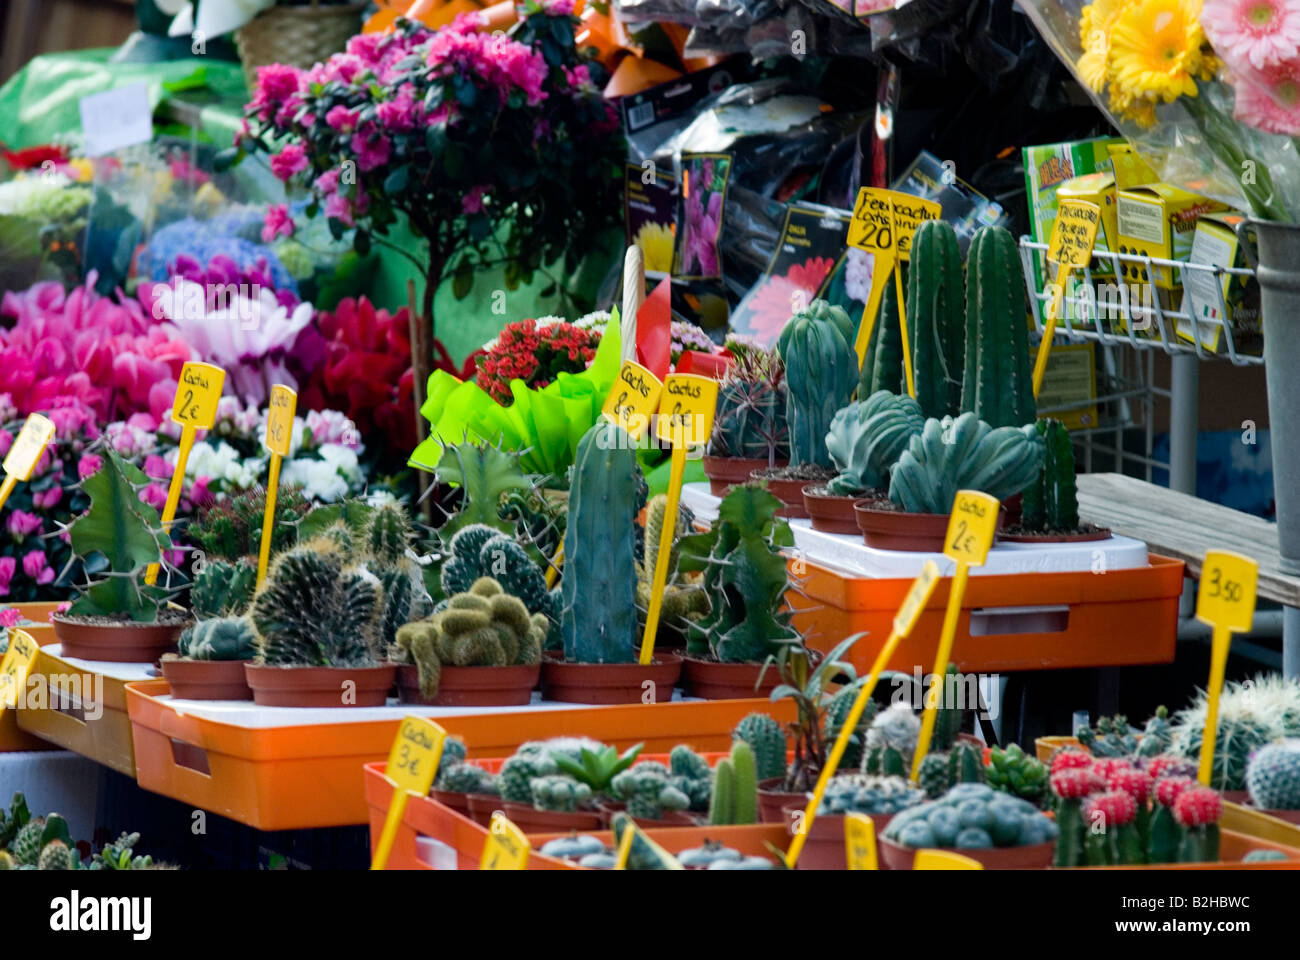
(598, 621)
(866, 438)
(935, 318)
(882, 369)
(963, 454)
(735, 787)
(1273, 776)
(221, 638)
(750, 416)
(222, 588)
(998, 385)
(316, 610)
(383, 545)
(821, 374)
(766, 738)
(1051, 501)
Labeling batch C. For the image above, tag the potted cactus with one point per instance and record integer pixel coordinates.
(210, 665)
(1273, 780)
(865, 440)
(119, 616)
(821, 371)
(598, 616)
(948, 455)
(458, 779)
(548, 786)
(879, 798)
(749, 425)
(1002, 832)
(1050, 506)
(730, 648)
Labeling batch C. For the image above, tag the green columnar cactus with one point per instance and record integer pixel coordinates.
(599, 620)
(745, 578)
(837, 712)
(722, 803)
(866, 438)
(963, 454)
(935, 318)
(316, 610)
(388, 534)
(1273, 776)
(1111, 737)
(883, 367)
(998, 385)
(222, 588)
(559, 793)
(965, 763)
(483, 473)
(224, 638)
(933, 776)
(1051, 500)
(26, 845)
(750, 417)
(735, 787)
(948, 716)
(767, 740)
(891, 742)
(821, 375)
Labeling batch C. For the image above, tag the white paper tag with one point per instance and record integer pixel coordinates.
(116, 118)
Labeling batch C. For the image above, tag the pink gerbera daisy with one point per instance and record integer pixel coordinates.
(1270, 99)
(1259, 32)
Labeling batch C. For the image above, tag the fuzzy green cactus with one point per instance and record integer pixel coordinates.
(598, 621)
(484, 473)
(932, 777)
(998, 383)
(317, 610)
(821, 375)
(948, 716)
(224, 638)
(388, 534)
(1273, 776)
(963, 454)
(461, 777)
(891, 742)
(1252, 713)
(767, 740)
(735, 787)
(866, 439)
(648, 792)
(57, 855)
(530, 761)
(750, 419)
(1051, 500)
(222, 588)
(559, 793)
(745, 579)
(26, 845)
(935, 318)
(883, 367)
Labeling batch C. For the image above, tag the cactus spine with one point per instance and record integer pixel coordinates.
(1051, 501)
(883, 367)
(998, 384)
(750, 417)
(935, 318)
(225, 638)
(598, 621)
(821, 375)
(1273, 776)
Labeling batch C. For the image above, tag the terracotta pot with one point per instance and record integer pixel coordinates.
(610, 682)
(898, 530)
(1102, 533)
(206, 679)
(126, 642)
(482, 806)
(531, 820)
(772, 800)
(727, 472)
(824, 849)
(1237, 796)
(456, 801)
(1036, 856)
(471, 686)
(712, 680)
(320, 686)
(673, 818)
(789, 492)
(830, 513)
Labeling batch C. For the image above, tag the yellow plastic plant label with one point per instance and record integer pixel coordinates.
(860, 841)
(632, 833)
(885, 220)
(1226, 597)
(197, 394)
(971, 527)
(28, 446)
(686, 407)
(413, 761)
(279, 419)
(506, 848)
(633, 398)
(13, 668)
(917, 597)
(1074, 233)
(944, 860)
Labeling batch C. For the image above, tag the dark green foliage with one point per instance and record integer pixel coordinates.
(231, 529)
(821, 375)
(484, 473)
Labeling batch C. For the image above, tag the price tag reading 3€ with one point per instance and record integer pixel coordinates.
(971, 527)
(633, 398)
(26, 452)
(506, 848)
(279, 421)
(197, 395)
(417, 750)
(686, 408)
(1227, 592)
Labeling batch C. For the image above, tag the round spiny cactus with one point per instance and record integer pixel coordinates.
(57, 855)
(26, 846)
(766, 738)
(1273, 776)
(559, 793)
(223, 589)
(225, 638)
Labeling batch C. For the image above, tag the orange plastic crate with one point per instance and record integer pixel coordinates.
(310, 775)
(13, 739)
(1024, 621)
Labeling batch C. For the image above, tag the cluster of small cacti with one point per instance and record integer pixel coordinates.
(483, 627)
(690, 773)
(231, 528)
(891, 742)
(856, 793)
(963, 762)
(222, 638)
(222, 588)
(712, 855)
(457, 775)
(648, 791)
(971, 816)
(1111, 737)
(767, 741)
(745, 579)
(1018, 773)
(477, 550)
(821, 370)
(750, 420)
(1273, 776)
(1116, 811)
(534, 760)
(1252, 713)
(866, 438)
(837, 713)
(45, 843)
(587, 850)
(735, 786)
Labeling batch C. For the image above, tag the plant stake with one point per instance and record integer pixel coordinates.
(1073, 235)
(279, 434)
(26, 452)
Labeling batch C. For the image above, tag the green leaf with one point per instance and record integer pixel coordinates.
(361, 242)
(225, 159)
(396, 181)
(337, 228)
(435, 138)
(463, 280)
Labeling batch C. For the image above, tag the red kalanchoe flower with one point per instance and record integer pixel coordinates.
(1168, 789)
(1138, 784)
(1198, 807)
(1115, 808)
(534, 354)
(1071, 759)
(1075, 782)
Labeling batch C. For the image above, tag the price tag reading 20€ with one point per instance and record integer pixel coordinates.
(633, 398)
(970, 527)
(686, 409)
(197, 395)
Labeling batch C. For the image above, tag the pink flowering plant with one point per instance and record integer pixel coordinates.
(497, 148)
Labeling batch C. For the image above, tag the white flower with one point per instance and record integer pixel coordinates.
(380, 498)
(221, 462)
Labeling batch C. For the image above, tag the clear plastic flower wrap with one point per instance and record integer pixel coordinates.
(1186, 94)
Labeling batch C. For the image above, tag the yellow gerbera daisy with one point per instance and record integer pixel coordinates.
(1095, 21)
(1155, 49)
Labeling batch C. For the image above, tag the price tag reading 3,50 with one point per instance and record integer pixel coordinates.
(633, 398)
(1225, 600)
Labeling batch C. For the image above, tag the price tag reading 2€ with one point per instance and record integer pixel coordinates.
(279, 421)
(1227, 592)
(633, 398)
(13, 669)
(970, 527)
(197, 395)
(507, 847)
(686, 408)
(26, 451)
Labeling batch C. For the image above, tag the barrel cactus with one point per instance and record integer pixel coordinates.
(750, 417)
(559, 793)
(222, 588)
(963, 454)
(1273, 776)
(223, 638)
(936, 318)
(1051, 500)
(648, 792)
(998, 383)
(866, 439)
(1252, 713)
(766, 738)
(821, 374)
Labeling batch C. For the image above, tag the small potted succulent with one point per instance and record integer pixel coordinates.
(540, 797)
(947, 456)
(876, 797)
(458, 779)
(1049, 510)
(119, 616)
(730, 649)
(1273, 780)
(598, 616)
(865, 440)
(749, 426)
(210, 665)
(658, 795)
(821, 375)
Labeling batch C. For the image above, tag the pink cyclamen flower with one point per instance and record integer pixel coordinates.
(1260, 33)
(398, 115)
(278, 222)
(89, 465)
(154, 494)
(1269, 99)
(8, 565)
(156, 467)
(10, 617)
(46, 499)
(6, 441)
(38, 568)
(472, 202)
(292, 159)
(21, 523)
